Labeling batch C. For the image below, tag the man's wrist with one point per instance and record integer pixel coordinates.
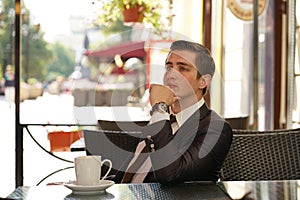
(161, 107)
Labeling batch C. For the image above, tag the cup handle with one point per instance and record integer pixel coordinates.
(110, 166)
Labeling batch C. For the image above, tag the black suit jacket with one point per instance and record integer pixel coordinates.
(196, 152)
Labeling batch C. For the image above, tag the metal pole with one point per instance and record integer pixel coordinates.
(255, 65)
(18, 127)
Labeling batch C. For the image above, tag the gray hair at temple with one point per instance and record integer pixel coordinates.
(204, 61)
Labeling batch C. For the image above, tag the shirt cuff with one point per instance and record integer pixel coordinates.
(158, 116)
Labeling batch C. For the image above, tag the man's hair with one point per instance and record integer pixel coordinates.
(204, 62)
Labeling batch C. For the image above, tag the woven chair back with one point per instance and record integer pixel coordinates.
(263, 155)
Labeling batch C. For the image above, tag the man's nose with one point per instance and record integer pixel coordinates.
(172, 73)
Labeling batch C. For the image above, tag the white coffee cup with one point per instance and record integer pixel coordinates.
(88, 169)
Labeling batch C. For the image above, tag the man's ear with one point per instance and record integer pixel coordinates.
(205, 81)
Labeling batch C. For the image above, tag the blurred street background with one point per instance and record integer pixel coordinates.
(37, 163)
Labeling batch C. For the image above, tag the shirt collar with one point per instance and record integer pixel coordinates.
(182, 116)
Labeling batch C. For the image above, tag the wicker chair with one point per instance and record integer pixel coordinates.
(263, 155)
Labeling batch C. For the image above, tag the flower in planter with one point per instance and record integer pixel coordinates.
(149, 12)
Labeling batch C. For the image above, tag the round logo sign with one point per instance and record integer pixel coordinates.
(243, 9)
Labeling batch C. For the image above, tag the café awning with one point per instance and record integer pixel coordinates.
(126, 50)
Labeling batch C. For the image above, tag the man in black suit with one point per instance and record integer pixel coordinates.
(196, 144)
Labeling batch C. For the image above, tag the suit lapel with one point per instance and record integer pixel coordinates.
(196, 118)
(189, 129)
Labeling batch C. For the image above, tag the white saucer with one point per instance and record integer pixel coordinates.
(89, 189)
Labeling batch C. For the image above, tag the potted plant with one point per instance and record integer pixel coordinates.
(147, 11)
(61, 140)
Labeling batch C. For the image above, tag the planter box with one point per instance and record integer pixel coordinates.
(61, 140)
(133, 14)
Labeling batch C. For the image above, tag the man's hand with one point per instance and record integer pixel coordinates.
(161, 93)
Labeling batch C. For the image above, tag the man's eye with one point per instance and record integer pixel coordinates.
(183, 69)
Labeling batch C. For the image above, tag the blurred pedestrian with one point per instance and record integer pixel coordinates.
(9, 84)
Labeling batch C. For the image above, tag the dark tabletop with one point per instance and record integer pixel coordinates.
(195, 190)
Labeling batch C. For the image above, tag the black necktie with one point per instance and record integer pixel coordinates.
(172, 118)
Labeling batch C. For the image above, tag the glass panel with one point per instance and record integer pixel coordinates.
(296, 107)
(238, 60)
(55, 75)
(297, 46)
(236, 54)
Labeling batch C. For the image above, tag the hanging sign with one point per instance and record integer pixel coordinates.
(243, 9)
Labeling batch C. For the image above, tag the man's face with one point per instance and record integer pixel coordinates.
(181, 74)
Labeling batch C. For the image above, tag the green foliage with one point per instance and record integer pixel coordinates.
(111, 11)
(40, 60)
(6, 30)
(35, 52)
(63, 62)
(115, 27)
(32, 81)
(36, 55)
